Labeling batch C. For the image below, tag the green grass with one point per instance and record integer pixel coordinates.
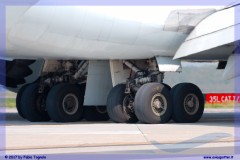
(11, 102)
(223, 105)
(8, 102)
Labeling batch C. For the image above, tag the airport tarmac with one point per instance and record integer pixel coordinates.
(214, 134)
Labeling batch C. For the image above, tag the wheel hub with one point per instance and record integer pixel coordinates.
(128, 105)
(191, 104)
(159, 104)
(70, 104)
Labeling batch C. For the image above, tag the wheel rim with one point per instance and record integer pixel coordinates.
(159, 104)
(191, 104)
(128, 105)
(70, 104)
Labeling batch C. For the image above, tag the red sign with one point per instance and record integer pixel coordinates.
(222, 97)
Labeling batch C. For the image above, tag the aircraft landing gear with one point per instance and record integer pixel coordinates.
(155, 103)
(32, 103)
(144, 97)
(149, 100)
(63, 103)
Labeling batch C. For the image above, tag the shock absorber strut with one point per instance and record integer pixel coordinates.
(131, 66)
(81, 69)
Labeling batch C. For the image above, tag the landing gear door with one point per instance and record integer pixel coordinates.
(167, 64)
(99, 83)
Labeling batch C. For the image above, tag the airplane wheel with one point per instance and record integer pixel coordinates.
(33, 104)
(18, 101)
(95, 113)
(188, 102)
(65, 103)
(153, 103)
(167, 86)
(120, 105)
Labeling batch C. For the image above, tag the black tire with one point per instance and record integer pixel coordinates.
(167, 86)
(33, 104)
(115, 108)
(18, 101)
(96, 113)
(182, 112)
(143, 103)
(55, 100)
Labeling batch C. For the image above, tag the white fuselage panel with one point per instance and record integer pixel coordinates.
(66, 32)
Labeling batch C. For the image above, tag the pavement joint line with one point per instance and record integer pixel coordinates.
(77, 146)
(144, 136)
(113, 145)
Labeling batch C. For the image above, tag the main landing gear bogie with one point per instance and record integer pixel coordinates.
(62, 103)
(157, 103)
